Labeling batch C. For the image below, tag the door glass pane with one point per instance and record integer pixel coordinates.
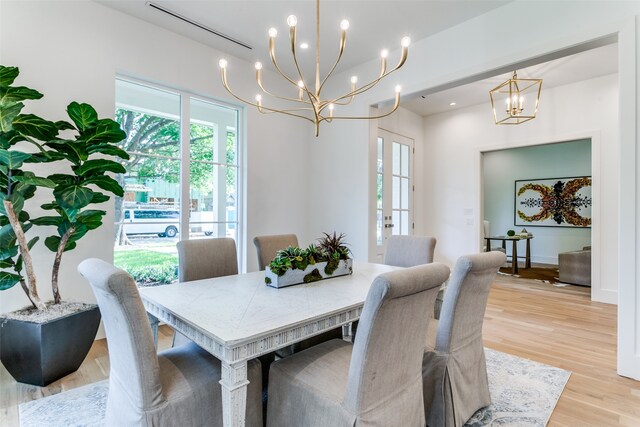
(147, 217)
(396, 158)
(213, 170)
(395, 192)
(405, 193)
(379, 192)
(404, 223)
(405, 160)
(379, 228)
(396, 222)
(380, 158)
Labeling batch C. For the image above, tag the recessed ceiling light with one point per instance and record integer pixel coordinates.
(452, 104)
(304, 45)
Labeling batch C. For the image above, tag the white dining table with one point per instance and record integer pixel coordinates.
(238, 318)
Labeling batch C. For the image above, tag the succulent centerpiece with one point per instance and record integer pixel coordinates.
(330, 257)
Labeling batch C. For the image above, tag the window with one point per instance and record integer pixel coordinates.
(182, 175)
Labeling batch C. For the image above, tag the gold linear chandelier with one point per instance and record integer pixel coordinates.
(309, 104)
(516, 96)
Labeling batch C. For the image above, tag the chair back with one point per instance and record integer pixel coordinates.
(132, 353)
(206, 258)
(409, 251)
(386, 363)
(268, 246)
(465, 300)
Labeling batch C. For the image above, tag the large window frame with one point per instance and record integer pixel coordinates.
(185, 156)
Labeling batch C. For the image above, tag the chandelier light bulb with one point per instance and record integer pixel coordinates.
(292, 21)
(331, 107)
(273, 32)
(258, 65)
(222, 63)
(354, 79)
(384, 53)
(258, 98)
(344, 25)
(405, 42)
(300, 84)
(398, 88)
(304, 45)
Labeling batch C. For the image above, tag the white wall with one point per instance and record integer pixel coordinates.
(501, 168)
(73, 51)
(460, 135)
(479, 47)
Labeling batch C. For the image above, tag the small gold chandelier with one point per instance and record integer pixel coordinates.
(516, 98)
(309, 104)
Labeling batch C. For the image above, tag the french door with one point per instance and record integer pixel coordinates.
(394, 192)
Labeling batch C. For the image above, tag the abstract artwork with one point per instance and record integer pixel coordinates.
(554, 202)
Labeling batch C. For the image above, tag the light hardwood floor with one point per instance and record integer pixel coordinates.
(556, 326)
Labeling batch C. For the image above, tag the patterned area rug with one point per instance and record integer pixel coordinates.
(543, 274)
(523, 392)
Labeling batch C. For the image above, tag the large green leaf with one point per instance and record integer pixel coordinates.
(9, 252)
(100, 165)
(74, 152)
(7, 114)
(34, 180)
(99, 198)
(6, 263)
(73, 196)
(47, 220)
(106, 130)
(7, 236)
(13, 94)
(8, 75)
(16, 199)
(64, 125)
(62, 179)
(83, 115)
(34, 126)
(52, 243)
(108, 149)
(91, 219)
(106, 183)
(8, 280)
(13, 159)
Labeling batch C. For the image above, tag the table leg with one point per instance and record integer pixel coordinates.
(528, 254)
(154, 328)
(514, 256)
(234, 393)
(488, 245)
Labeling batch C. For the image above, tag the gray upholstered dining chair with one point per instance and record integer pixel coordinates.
(205, 259)
(179, 386)
(454, 369)
(377, 380)
(268, 246)
(409, 251)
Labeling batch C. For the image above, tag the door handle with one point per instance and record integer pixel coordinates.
(388, 226)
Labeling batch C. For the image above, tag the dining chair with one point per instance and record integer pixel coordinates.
(268, 247)
(204, 259)
(409, 251)
(179, 386)
(454, 369)
(376, 381)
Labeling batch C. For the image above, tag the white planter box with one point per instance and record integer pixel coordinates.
(295, 277)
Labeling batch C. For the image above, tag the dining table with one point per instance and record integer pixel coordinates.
(238, 318)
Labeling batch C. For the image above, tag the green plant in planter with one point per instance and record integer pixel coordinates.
(73, 192)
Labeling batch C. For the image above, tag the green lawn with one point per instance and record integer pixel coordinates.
(146, 266)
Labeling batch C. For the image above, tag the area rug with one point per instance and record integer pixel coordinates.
(523, 392)
(546, 275)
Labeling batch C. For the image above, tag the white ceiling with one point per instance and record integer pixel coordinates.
(374, 24)
(581, 66)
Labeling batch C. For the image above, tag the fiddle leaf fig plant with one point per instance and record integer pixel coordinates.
(89, 144)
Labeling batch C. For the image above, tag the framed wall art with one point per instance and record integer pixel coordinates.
(553, 202)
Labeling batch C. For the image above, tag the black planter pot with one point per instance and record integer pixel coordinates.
(41, 353)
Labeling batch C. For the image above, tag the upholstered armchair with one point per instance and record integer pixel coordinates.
(377, 380)
(454, 368)
(177, 387)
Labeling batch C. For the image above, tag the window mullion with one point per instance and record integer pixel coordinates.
(185, 155)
